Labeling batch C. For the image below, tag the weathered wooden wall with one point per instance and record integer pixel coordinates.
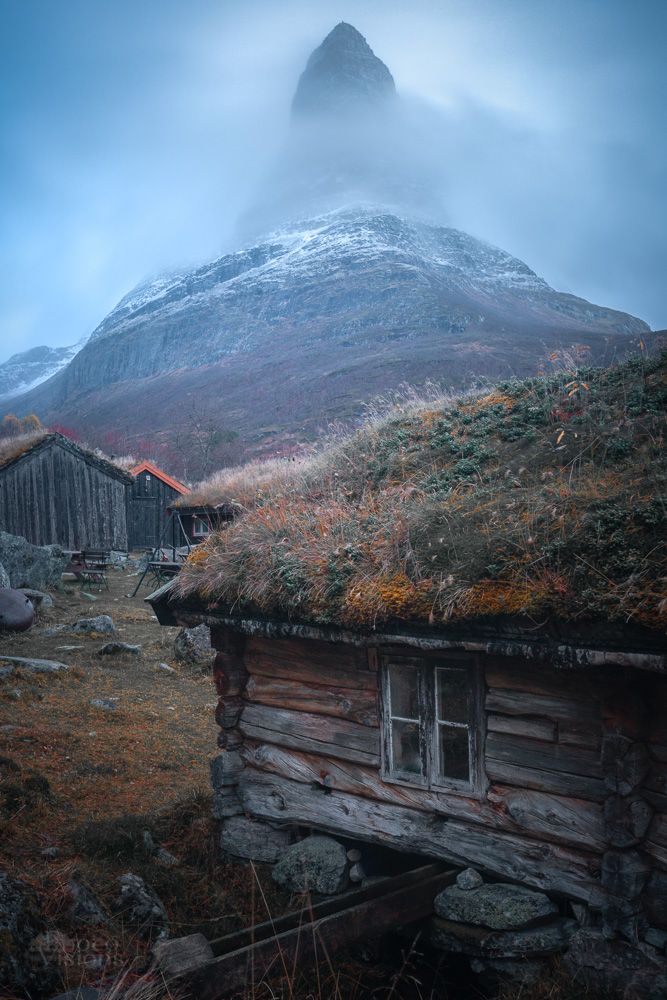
(147, 512)
(576, 766)
(52, 495)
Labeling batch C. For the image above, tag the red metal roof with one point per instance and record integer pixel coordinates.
(147, 466)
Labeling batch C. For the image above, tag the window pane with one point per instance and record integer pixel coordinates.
(454, 752)
(404, 691)
(405, 748)
(452, 695)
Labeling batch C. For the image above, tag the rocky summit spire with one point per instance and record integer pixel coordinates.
(343, 75)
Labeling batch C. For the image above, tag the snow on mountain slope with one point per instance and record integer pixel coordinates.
(28, 369)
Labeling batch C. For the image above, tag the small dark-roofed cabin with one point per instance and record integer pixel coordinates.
(449, 639)
(52, 491)
(152, 494)
(200, 520)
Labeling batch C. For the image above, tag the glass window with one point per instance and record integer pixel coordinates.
(430, 731)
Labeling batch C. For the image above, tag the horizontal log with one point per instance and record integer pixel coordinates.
(546, 866)
(586, 736)
(557, 782)
(542, 755)
(309, 658)
(513, 674)
(558, 709)
(344, 703)
(546, 817)
(517, 725)
(337, 738)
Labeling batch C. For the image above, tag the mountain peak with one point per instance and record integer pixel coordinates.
(343, 74)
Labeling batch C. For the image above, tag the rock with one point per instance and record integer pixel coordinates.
(499, 906)
(316, 864)
(5, 582)
(140, 907)
(36, 566)
(118, 648)
(166, 668)
(37, 598)
(466, 939)
(469, 879)
(494, 972)
(106, 704)
(357, 873)
(606, 964)
(253, 840)
(354, 855)
(166, 858)
(84, 908)
(175, 957)
(193, 645)
(16, 611)
(34, 666)
(656, 938)
(21, 921)
(100, 625)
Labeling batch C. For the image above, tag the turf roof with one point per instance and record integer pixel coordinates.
(543, 498)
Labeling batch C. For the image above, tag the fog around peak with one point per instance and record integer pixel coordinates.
(138, 137)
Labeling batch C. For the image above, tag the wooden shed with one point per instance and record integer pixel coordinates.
(52, 491)
(152, 494)
(456, 656)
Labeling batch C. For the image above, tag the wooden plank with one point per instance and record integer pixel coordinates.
(542, 755)
(545, 865)
(316, 733)
(586, 736)
(307, 659)
(556, 782)
(343, 703)
(558, 709)
(546, 817)
(279, 955)
(518, 725)
(514, 674)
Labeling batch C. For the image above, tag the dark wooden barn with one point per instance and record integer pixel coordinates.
(153, 493)
(197, 521)
(52, 491)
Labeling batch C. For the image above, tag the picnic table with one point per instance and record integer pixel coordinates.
(91, 568)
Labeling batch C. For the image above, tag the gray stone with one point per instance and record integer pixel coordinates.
(354, 855)
(140, 907)
(357, 873)
(499, 906)
(99, 625)
(166, 858)
(118, 649)
(193, 645)
(469, 879)
(16, 611)
(180, 955)
(316, 864)
(252, 840)
(34, 666)
(166, 668)
(38, 598)
(84, 907)
(607, 964)
(4, 578)
(39, 567)
(467, 939)
(21, 921)
(106, 704)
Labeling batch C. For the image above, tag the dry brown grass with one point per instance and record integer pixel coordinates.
(13, 447)
(545, 496)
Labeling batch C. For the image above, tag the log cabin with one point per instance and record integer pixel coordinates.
(153, 493)
(446, 635)
(53, 491)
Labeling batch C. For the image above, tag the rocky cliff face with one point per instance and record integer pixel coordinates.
(351, 293)
(28, 369)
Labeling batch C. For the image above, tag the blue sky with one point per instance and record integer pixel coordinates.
(135, 131)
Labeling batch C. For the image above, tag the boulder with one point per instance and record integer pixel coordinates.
(180, 955)
(17, 612)
(193, 645)
(316, 864)
(118, 649)
(499, 906)
(140, 907)
(4, 578)
(469, 879)
(532, 942)
(610, 964)
(38, 598)
(32, 666)
(99, 625)
(21, 921)
(84, 906)
(39, 567)
(255, 841)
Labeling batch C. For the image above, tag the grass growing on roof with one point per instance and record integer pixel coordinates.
(542, 496)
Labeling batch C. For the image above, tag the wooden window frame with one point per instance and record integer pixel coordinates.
(200, 534)
(427, 666)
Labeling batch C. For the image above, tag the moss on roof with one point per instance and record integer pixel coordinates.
(11, 449)
(544, 498)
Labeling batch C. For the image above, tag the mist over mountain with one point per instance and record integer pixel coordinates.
(349, 282)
